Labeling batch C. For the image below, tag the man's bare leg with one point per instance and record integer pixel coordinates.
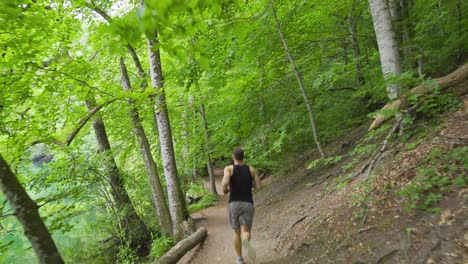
(246, 243)
(245, 232)
(237, 242)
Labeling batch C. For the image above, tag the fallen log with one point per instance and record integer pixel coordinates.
(456, 81)
(179, 250)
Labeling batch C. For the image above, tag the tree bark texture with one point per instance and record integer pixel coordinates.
(301, 85)
(209, 164)
(456, 82)
(387, 43)
(27, 213)
(134, 228)
(150, 165)
(181, 248)
(176, 199)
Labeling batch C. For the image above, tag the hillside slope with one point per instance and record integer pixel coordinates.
(321, 215)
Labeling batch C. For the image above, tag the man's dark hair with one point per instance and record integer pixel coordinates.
(238, 153)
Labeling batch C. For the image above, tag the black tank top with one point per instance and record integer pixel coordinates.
(240, 185)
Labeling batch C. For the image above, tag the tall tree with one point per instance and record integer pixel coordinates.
(387, 43)
(26, 211)
(299, 81)
(150, 165)
(134, 228)
(209, 163)
(355, 46)
(176, 199)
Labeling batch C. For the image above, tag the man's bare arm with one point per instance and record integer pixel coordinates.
(257, 180)
(226, 179)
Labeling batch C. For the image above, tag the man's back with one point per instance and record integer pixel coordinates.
(240, 184)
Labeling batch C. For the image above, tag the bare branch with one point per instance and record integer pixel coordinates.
(75, 132)
(84, 120)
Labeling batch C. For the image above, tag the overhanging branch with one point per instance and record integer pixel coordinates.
(77, 129)
(84, 120)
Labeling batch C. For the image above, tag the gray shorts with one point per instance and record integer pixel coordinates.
(240, 213)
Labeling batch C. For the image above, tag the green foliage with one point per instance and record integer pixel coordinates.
(196, 189)
(435, 103)
(126, 255)
(362, 198)
(439, 172)
(343, 181)
(421, 136)
(324, 162)
(206, 201)
(161, 245)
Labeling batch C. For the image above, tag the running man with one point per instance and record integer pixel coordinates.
(238, 181)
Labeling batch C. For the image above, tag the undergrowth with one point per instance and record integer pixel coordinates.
(197, 190)
(437, 174)
(160, 246)
(206, 201)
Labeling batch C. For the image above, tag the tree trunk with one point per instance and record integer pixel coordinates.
(181, 248)
(134, 228)
(27, 213)
(266, 128)
(193, 158)
(460, 31)
(457, 82)
(176, 198)
(150, 165)
(301, 85)
(387, 43)
(356, 50)
(209, 164)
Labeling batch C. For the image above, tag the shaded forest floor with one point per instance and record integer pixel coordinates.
(321, 216)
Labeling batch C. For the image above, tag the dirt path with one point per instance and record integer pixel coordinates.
(218, 247)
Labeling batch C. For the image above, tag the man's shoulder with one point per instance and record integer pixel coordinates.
(229, 167)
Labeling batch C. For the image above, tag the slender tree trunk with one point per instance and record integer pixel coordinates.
(176, 198)
(209, 164)
(186, 139)
(386, 41)
(134, 228)
(194, 158)
(301, 85)
(131, 50)
(344, 45)
(460, 31)
(405, 26)
(187, 119)
(27, 213)
(356, 50)
(150, 165)
(264, 124)
(143, 81)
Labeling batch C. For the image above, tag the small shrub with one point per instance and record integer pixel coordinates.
(440, 172)
(206, 201)
(435, 103)
(126, 255)
(196, 189)
(160, 246)
(324, 162)
(363, 199)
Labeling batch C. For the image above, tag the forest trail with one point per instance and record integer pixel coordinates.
(218, 247)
